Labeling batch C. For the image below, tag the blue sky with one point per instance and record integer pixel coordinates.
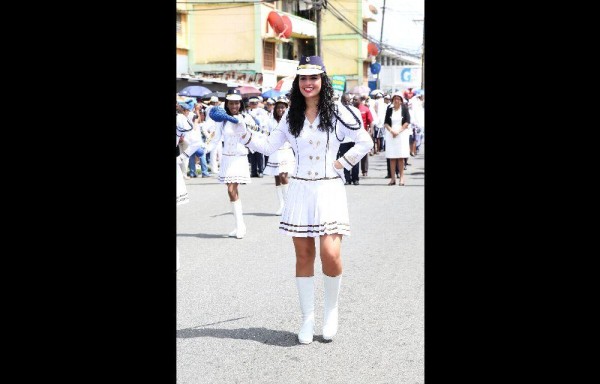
(399, 28)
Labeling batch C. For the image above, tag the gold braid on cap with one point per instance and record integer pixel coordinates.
(310, 66)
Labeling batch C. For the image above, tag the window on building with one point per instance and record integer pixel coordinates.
(306, 47)
(178, 24)
(290, 7)
(286, 51)
(269, 55)
(305, 10)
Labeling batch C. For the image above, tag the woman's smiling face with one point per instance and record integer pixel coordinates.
(310, 85)
(234, 106)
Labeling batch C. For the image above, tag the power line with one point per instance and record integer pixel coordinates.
(337, 14)
(326, 4)
(226, 2)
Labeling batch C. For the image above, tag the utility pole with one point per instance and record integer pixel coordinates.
(423, 60)
(422, 54)
(381, 43)
(318, 5)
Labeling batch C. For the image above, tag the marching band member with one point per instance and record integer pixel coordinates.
(184, 132)
(282, 162)
(234, 168)
(187, 131)
(316, 204)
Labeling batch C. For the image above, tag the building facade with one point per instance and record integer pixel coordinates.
(226, 45)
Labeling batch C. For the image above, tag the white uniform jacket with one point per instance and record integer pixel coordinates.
(191, 134)
(225, 131)
(316, 150)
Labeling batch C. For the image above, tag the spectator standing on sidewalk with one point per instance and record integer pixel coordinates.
(379, 106)
(417, 121)
(256, 159)
(387, 103)
(397, 122)
(316, 204)
(367, 118)
(188, 140)
(351, 175)
(200, 154)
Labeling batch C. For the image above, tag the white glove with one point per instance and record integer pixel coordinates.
(340, 172)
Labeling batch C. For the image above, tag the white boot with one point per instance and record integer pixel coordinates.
(184, 167)
(232, 233)
(330, 315)
(284, 190)
(306, 293)
(240, 227)
(281, 201)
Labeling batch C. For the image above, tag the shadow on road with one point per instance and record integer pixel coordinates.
(260, 214)
(375, 185)
(246, 213)
(190, 185)
(205, 235)
(260, 335)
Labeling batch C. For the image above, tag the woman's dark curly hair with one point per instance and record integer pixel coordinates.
(327, 108)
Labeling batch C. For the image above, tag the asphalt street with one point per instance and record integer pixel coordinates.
(237, 303)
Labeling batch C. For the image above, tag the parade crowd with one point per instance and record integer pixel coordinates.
(372, 109)
(313, 142)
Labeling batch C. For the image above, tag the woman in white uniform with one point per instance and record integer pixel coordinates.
(184, 131)
(316, 204)
(282, 162)
(234, 169)
(397, 136)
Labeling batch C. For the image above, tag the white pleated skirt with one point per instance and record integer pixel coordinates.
(234, 169)
(281, 161)
(182, 193)
(315, 208)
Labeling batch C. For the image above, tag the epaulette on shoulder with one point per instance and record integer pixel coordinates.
(349, 125)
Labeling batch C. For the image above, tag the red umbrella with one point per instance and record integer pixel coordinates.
(248, 90)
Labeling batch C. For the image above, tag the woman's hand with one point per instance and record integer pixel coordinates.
(340, 170)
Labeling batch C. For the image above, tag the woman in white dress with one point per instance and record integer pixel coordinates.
(234, 168)
(397, 137)
(316, 204)
(282, 162)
